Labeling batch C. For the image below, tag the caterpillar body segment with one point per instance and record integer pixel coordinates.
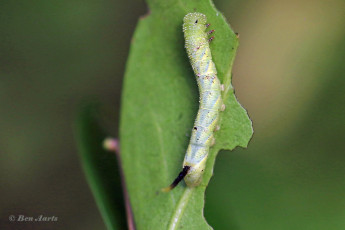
(210, 100)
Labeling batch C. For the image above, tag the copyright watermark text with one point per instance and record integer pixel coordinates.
(39, 218)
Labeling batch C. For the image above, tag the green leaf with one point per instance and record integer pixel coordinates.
(159, 105)
(100, 167)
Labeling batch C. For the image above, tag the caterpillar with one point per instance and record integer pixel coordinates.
(210, 100)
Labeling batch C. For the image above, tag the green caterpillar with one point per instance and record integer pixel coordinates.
(206, 122)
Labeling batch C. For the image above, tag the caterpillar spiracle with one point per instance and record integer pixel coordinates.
(210, 100)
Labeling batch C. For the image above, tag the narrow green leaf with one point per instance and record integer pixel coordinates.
(159, 105)
(100, 167)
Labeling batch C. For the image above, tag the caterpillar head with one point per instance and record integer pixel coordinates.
(193, 22)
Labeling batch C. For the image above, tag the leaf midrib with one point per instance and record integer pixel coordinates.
(176, 216)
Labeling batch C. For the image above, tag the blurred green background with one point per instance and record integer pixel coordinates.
(288, 74)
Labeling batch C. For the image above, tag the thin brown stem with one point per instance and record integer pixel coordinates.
(113, 145)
